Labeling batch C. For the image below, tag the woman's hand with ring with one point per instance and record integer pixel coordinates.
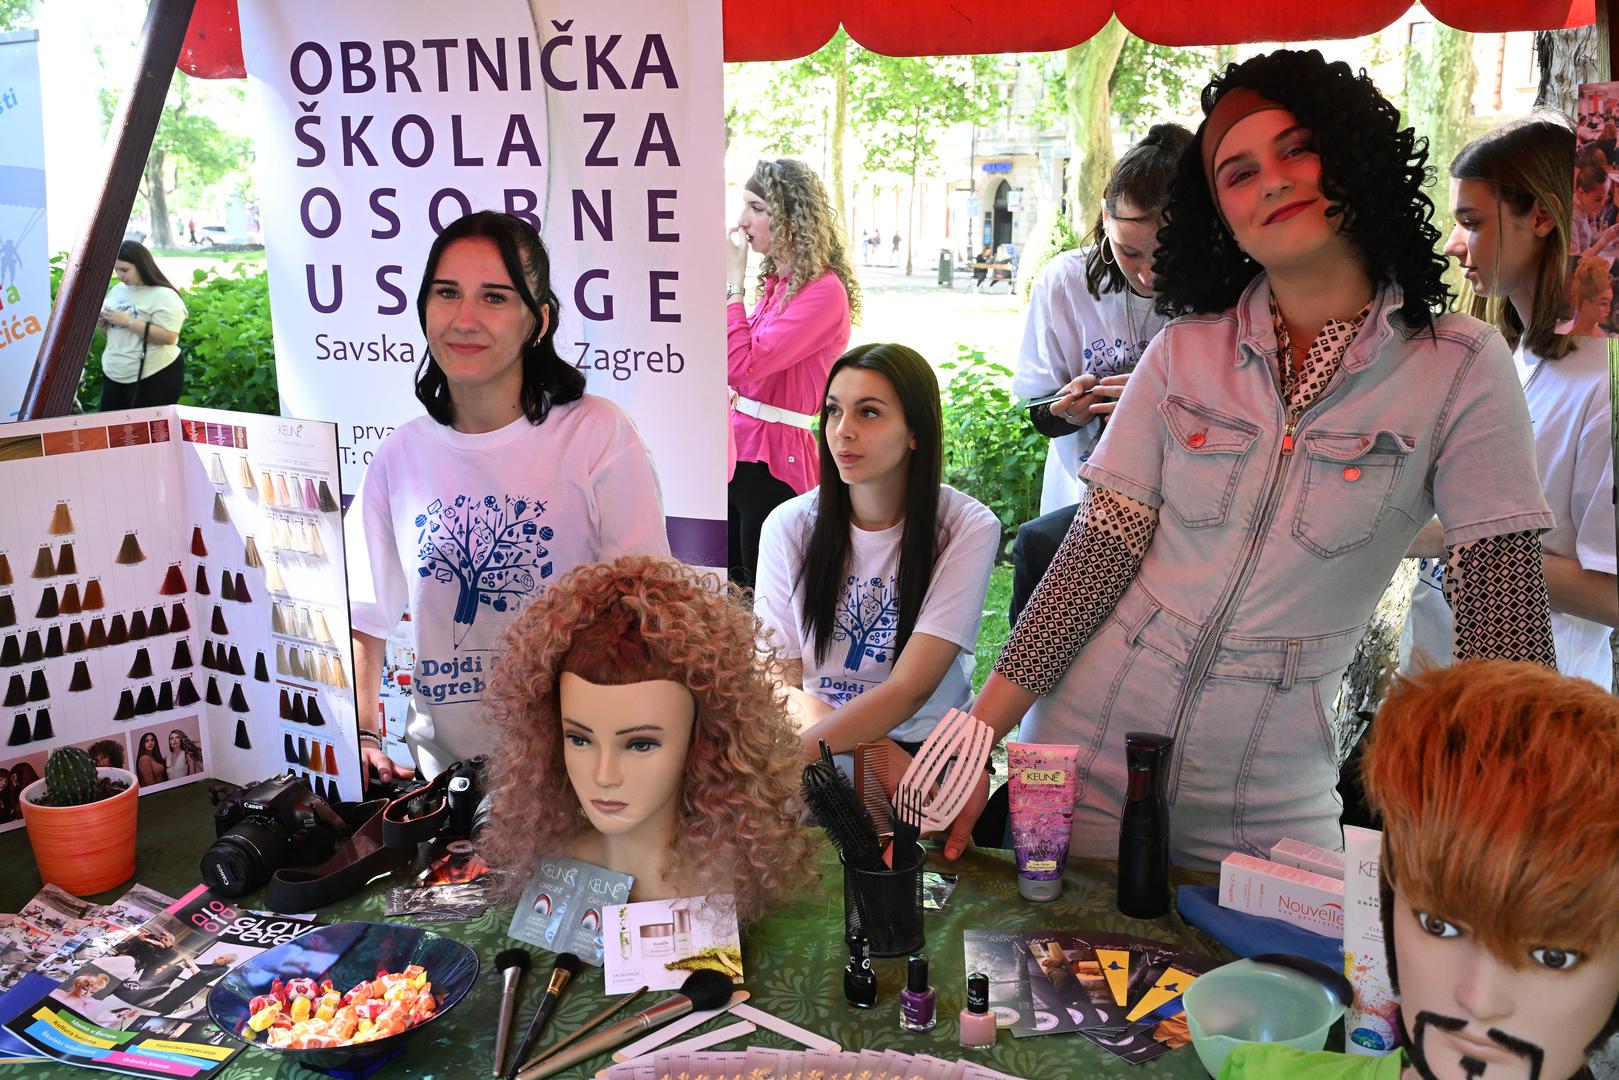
(1074, 406)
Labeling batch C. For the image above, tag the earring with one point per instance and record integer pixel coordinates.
(1107, 252)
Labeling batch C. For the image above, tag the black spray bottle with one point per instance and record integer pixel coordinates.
(1144, 827)
(859, 981)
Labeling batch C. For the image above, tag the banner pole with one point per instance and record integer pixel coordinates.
(72, 323)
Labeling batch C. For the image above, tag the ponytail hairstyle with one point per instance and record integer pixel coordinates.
(136, 255)
(1526, 162)
(547, 378)
(1141, 178)
(826, 558)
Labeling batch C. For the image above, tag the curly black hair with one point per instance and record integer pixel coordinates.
(1371, 167)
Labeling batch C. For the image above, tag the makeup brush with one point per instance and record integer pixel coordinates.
(701, 990)
(567, 966)
(511, 964)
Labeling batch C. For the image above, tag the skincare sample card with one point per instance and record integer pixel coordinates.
(561, 907)
(173, 599)
(658, 943)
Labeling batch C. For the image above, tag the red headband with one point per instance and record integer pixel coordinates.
(1237, 104)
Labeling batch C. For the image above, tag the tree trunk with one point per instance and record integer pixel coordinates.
(1090, 107)
(840, 126)
(157, 201)
(910, 204)
(1566, 59)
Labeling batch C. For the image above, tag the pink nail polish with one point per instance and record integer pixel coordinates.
(977, 1022)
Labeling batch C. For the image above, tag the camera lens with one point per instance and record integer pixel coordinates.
(244, 858)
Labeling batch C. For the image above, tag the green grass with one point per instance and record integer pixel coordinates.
(994, 630)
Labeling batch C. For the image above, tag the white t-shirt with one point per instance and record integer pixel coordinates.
(121, 359)
(860, 654)
(1572, 414)
(1069, 332)
(465, 530)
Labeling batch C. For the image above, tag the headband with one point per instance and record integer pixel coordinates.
(1236, 105)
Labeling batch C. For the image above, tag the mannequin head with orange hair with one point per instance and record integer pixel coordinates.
(637, 727)
(1498, 785)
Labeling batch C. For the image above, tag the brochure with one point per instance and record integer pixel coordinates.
(658, 943)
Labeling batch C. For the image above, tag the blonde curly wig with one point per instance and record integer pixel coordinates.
(803, 223)
(636, 619)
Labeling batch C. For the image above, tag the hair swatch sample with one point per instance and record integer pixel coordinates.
(158, 623)
(47, 604)
(174, 582)
(221, 514)
(5, 568)
(165, 697)
(179, 621)
(227, 588)
(10, 654)
(316, 547)
(246, 472)
(61, 520)
(235, 666)
(117, 630)
(201, 586)
(198, 548)
(250, 553)
(238, 700)
(93, 600)
(326, 501)
(260, 671)
(8, 611)
(282, 667)
(126, 706)
(42, 726)
(242, 596)
(19, 731)
(208, 655)
(242, 741)
(145, 702)
(137, 625)
(32, 650)
(98, 633)
(71, 604)
(219, 626)
(38, 689)
(266, 492)
(311, 500)
(287, 750)
(81, 677)
(16, 692)
(187, 693)
(142, 667)
(129, 552)
(75, 638)
(44, 565)
(278, 622)
(331, 759)
(216, 472)
(53, 643)
(272, 577)
(298, 714)
(285, 708)
(182, 655)
(213, 692)
(66, 561)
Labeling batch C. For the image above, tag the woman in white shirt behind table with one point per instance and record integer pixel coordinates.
(1509, 195)
(872, 584)
(513, 477)
(141, 365)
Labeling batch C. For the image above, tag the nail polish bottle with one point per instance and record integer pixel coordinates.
(859, 981)
(917, 1000)
(977, 1022)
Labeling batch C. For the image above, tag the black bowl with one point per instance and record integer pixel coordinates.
(346, 953)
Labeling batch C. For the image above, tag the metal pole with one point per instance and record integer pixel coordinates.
(72, 324)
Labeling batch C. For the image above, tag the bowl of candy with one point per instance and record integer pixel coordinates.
(344, 997)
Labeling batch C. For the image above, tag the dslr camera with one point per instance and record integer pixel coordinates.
(263, 827)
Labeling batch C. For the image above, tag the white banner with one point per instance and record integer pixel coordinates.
(25, 271)
(598, 120)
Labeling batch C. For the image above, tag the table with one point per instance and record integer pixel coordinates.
(793, 959)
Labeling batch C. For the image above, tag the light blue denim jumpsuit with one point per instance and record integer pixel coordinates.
(1264, 568)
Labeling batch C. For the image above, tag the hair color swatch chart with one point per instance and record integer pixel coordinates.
(173, 599)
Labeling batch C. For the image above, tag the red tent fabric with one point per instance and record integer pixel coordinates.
(213, 45)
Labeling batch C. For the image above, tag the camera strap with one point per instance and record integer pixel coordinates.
(417, 815)
(363, 856)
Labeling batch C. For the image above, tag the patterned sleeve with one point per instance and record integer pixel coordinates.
(1094, 565)
(1496, 587)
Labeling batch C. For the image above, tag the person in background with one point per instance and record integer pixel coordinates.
(1509, 196)
(986, 255)
(1090, 318)
(779, 355)
(466, 514)
(872, 585)
(142, 315)
(1269, 464)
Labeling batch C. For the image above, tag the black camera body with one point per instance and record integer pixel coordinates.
(263, 827)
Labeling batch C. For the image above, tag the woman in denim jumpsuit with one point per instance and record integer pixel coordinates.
(1275, 454)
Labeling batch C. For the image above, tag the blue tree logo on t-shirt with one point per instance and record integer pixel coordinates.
(867, 616)
(493, 549)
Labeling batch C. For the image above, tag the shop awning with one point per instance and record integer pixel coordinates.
(213, 47)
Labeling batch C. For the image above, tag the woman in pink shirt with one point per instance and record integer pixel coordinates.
(779, 356)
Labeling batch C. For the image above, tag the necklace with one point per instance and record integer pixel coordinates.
(1131, 346)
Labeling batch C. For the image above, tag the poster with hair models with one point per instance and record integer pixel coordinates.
(173, 600)
(1589, 307)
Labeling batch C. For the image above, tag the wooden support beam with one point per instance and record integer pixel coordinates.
(72, 323)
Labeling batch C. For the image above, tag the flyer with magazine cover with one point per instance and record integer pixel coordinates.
(140, 1009)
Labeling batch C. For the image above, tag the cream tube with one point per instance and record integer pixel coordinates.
(1042, 804)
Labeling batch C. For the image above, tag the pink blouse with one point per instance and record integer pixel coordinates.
(780, 356)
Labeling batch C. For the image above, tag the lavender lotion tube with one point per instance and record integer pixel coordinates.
(1042, 804)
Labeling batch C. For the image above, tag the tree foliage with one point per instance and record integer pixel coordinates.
(16, 14)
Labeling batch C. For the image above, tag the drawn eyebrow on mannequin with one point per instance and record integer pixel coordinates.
(656, 729)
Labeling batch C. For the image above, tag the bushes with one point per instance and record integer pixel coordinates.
(229, 350)
(990, 450)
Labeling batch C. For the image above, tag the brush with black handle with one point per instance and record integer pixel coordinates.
(702, 990)
(567, 966)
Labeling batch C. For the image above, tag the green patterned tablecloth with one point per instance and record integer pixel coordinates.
(794, 961)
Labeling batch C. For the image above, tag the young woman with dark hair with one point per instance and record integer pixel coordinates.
(1269, 464)
(872, 585)
(1509, 194)
(514, 476)
(1090, 318)
(149, 766)
(142, 315)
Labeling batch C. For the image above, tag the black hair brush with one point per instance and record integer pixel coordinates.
(836, 808)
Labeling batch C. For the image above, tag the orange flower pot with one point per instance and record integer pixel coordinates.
(84, 849)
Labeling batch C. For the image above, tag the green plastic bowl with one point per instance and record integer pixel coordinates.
(1253, 1001)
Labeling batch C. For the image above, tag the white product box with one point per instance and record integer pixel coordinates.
(1312, 902)
(1317, 860)
(1369, 1026)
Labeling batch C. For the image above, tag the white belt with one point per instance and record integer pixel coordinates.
(771, 414)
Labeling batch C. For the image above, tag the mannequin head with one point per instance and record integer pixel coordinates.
(1498, 785)
(633, 710)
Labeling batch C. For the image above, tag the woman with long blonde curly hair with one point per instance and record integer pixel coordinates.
(779, 355)
(639, 728)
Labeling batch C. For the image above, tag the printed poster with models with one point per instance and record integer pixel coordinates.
(141, 1009)
(598, 121)
(173, 600)
(1589, 307)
